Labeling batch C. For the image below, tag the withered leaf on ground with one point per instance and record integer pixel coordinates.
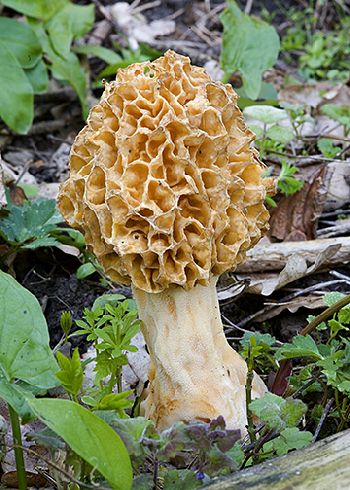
(312, 302)
(295, 217)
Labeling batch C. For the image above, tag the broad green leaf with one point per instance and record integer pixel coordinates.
(40, 9)
(85, 270)
(30, 190)
(289, 439)
(21, 40)
(327, 148)
(71, 22)
(107, 55)
(90, 437)
(16, 396)
(38, 77)
(42, 242)
(25, 353)
(41, 34)
(70, 70)
(266, 114)
(282, 134)
(31, 221)
(249, 46)
(68, 236)
(340, 113)
(301, 346)
(277, 412)
(16, 93)
(260, 338)
(131, 431)
(333, 297)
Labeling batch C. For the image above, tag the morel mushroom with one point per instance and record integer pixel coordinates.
(169, 194)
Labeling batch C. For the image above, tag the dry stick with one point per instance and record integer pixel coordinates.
(324, 415)
(309, 289)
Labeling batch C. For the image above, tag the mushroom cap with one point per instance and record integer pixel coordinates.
(163, 181)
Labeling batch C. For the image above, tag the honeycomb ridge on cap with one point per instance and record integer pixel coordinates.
(163, 181)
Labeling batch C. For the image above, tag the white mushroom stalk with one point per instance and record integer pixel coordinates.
(194, 374)
(169, 194)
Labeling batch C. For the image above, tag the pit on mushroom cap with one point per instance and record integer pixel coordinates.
(169, 194)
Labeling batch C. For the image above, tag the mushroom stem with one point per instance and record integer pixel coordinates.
(194, 373)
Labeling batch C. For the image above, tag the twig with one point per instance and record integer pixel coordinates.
(301, 292)
(322, 317)
(324, 415)
(248, 7)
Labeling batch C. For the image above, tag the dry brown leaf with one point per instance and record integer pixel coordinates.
(315, 94)
(295, 217)
(311, 302)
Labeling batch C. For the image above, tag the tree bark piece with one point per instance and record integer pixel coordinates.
(321, 466)
(273, 256)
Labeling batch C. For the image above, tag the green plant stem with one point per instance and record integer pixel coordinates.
(328, 313)
(344, 420)
(17, 442)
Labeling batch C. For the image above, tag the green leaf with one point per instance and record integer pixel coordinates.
(31, 221)
(16, 93)
(260, 339)
(327, 148)
(344, 315)
(336, 367)
(38, 77)
(286, 182)
(115, 401)
(70, 70)
(30, 190)
(282, 134)
(20, 39)
(107, 55)
(41, 242)
(16, 396)
(25, 353)
(105, 299)
(340, 113)
(301, 346)
(181, 479)
(266, 114)
(277, 412)
(68, 236)
(289, 439)
(333, 297)
(71, 374)
(40, 9)
(249, 45)
(89, 437)
(71, 22)
(85, 270)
